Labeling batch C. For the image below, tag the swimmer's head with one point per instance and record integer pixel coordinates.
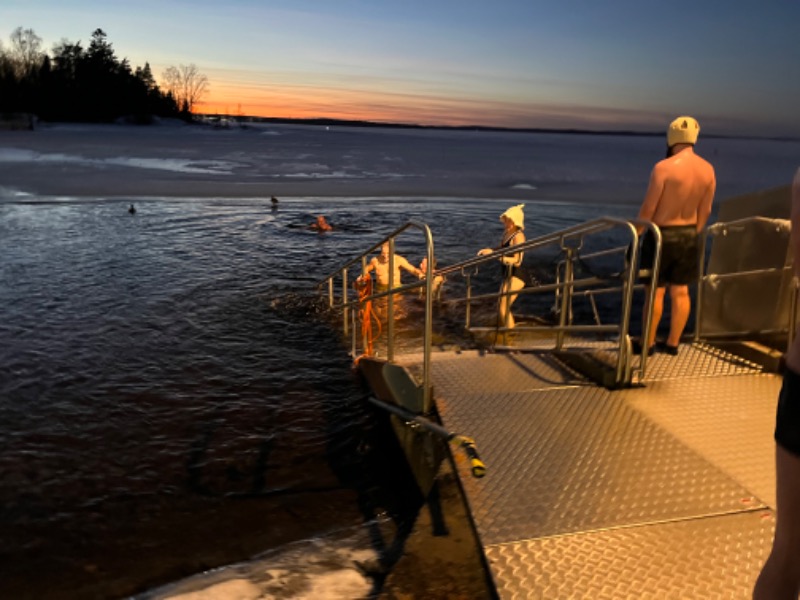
(515, 215)
(683, 130)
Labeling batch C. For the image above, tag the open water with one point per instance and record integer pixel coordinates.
(173, 398)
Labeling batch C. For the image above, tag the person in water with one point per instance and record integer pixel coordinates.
(780, 576)
(380, 265)
(132, 209)
(678, 200)
(514, 276)
(438, 280)
(321, 225)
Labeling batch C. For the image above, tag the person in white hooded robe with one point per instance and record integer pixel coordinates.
(514, 276)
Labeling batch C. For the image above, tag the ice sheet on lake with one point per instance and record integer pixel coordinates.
(217, 167)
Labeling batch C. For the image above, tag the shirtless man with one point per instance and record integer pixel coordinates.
(678, 200)
(380, 264)
(780, 577)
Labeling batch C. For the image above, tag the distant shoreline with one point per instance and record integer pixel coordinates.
(329, 122)
(11, 122)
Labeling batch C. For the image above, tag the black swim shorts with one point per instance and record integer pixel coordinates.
(680, 254)
(787, 421)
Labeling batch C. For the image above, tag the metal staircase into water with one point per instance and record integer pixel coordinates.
(608, 475)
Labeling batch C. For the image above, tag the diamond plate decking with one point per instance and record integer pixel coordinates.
(662, 491)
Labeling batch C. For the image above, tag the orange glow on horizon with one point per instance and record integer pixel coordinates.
(335, 104)
(376, 99)
(290, 111)
(308, 101)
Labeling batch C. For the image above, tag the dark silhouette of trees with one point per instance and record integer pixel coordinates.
(77, 84)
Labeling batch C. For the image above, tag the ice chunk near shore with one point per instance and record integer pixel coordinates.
(172, 164)
(7, 193)
(317, 569)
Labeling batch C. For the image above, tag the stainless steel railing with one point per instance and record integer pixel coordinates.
(467, 284)
(569, 243)
(350, 307)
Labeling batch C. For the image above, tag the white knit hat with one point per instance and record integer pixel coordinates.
(683, 130)
(515, 215)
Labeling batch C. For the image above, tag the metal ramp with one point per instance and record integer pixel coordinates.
(661, 491)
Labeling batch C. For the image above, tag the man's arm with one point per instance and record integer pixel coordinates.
(795, 235)
(370, 267)
(403, 263)
(704, 210)
(793, 355)
(654, 190)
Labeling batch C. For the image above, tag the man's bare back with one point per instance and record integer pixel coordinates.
(681, 190)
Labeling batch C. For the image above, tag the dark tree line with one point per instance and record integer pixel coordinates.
(77, 84)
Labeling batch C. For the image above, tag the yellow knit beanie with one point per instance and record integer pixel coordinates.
(682, 130)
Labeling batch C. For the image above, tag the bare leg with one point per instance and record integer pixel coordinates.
(679, 312)
(506, 319)
(780, 576)
(658, 310)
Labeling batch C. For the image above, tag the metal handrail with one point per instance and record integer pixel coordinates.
(566, 288)
(349, 306)
(569, 240)
(577, 234)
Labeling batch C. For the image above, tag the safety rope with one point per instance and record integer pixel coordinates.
(369, 319)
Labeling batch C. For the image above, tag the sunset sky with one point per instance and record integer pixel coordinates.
(596, 64)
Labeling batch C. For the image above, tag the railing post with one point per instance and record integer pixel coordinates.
(623, 375)
(701, 273)
(468, 316)
(650, 290)
(344, 300)
(363, 313)
(390, 306)
(427, 334)
(330, 292)
(566, 298)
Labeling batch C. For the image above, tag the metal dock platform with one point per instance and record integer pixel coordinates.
(661, 491)
(602, 474)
